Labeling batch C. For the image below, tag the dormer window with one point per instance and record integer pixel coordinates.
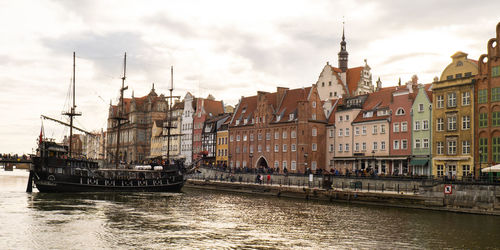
(400, 111)
(278, 118)
(245, 121)
(237, 122)
(244, 110)
(314, 104)
(291, 117)
(368, 114)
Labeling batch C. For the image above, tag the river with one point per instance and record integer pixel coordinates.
(206, 219)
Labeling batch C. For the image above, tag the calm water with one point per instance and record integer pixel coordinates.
(203, 219)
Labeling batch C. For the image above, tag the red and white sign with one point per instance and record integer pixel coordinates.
(448, 189)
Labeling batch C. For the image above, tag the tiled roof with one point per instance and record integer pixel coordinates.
(335, 104)
(376, 100)
(249, 105)
(428, 90)
(353, 76)
(289, 103)
(213, 107)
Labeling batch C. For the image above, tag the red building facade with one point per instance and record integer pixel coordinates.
(205, 109)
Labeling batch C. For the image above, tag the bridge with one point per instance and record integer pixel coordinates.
(8, 163)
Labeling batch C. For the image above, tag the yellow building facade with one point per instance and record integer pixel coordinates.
(453, 119)
(221, 156)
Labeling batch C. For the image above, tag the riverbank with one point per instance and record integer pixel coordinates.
(429, 195)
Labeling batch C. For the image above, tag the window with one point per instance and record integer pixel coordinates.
(347, 117)
(483, 120)
(268, 136)
(340, 118)
(284, 135)
(495, 94)
(440, 170)
(420, 107)
(465, 98)
(284, 147)
(395, 127)
(425, 125)
(259, 148)
(452, 123)
(466, 170)
(284, 164)
(465, 147)
(313, 117)
(340, 147)
(483, 149)
(313, 165)
(452, 99)
(439, 101)
(314, 132)
(356, 131)
(382, 129)
(363, 146)
(276, 135)
(425, 143)
(495, 119)
(482, 96)
(395, 144)
(314, 104)
(293, 134)
(417, 143)
(315, 147)
(244, 137)
(363, 130)
(341, 132)
(331, 149)
(400, 111)
(268, 148)
(294, 165)
(347, 147)
(294, 148)
(374, 129)
(346, 131)
(404, 144)
(259, 137)
(404, 126)
(439, 148)
(238, 138)
(439, 124)
(495, 71)
(331, 94)
(356, 147)
(276, 164)
(375, 145)
(495, 150)
(251, 137)
(382, 145)
(452, 147)
(276, 148)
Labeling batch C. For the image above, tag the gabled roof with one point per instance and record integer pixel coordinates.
(353, 77)
(428, 90)
(289, 103)
(335, 104)
(376, 101)
(213, 107)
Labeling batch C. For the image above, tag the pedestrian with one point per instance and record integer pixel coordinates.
(268, 178)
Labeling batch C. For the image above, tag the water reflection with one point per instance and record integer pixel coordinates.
(203, 219)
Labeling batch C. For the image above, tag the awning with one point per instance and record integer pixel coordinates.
(418, 162)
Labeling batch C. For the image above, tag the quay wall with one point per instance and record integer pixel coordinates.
(406, 193)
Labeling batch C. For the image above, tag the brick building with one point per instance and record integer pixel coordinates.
(205, 109)
(283, 130)
(487, 107)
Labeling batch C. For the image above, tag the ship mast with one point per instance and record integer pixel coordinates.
(170, 112)
(72, 113)
(120, 117)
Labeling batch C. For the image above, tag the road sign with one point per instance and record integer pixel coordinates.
(447, 189)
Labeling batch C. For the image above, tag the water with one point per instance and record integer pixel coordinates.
(207, 219)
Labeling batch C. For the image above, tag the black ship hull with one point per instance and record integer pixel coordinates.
(59, 175)
(67, 187)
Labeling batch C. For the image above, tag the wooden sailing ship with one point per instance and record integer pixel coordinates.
(56, 169)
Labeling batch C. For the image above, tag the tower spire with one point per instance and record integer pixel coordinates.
(343, 55)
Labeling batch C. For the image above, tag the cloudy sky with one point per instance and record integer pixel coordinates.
(226, 48)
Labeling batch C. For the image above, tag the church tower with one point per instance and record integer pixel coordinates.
(343, 55)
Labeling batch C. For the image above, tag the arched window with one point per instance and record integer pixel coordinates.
(400, 111)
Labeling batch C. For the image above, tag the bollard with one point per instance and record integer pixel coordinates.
(398, 188)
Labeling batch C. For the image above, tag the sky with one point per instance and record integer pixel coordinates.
(225, 48)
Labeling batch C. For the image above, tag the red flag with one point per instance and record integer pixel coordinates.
(41, 136)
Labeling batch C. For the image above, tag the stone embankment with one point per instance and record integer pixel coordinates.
(405, 193)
